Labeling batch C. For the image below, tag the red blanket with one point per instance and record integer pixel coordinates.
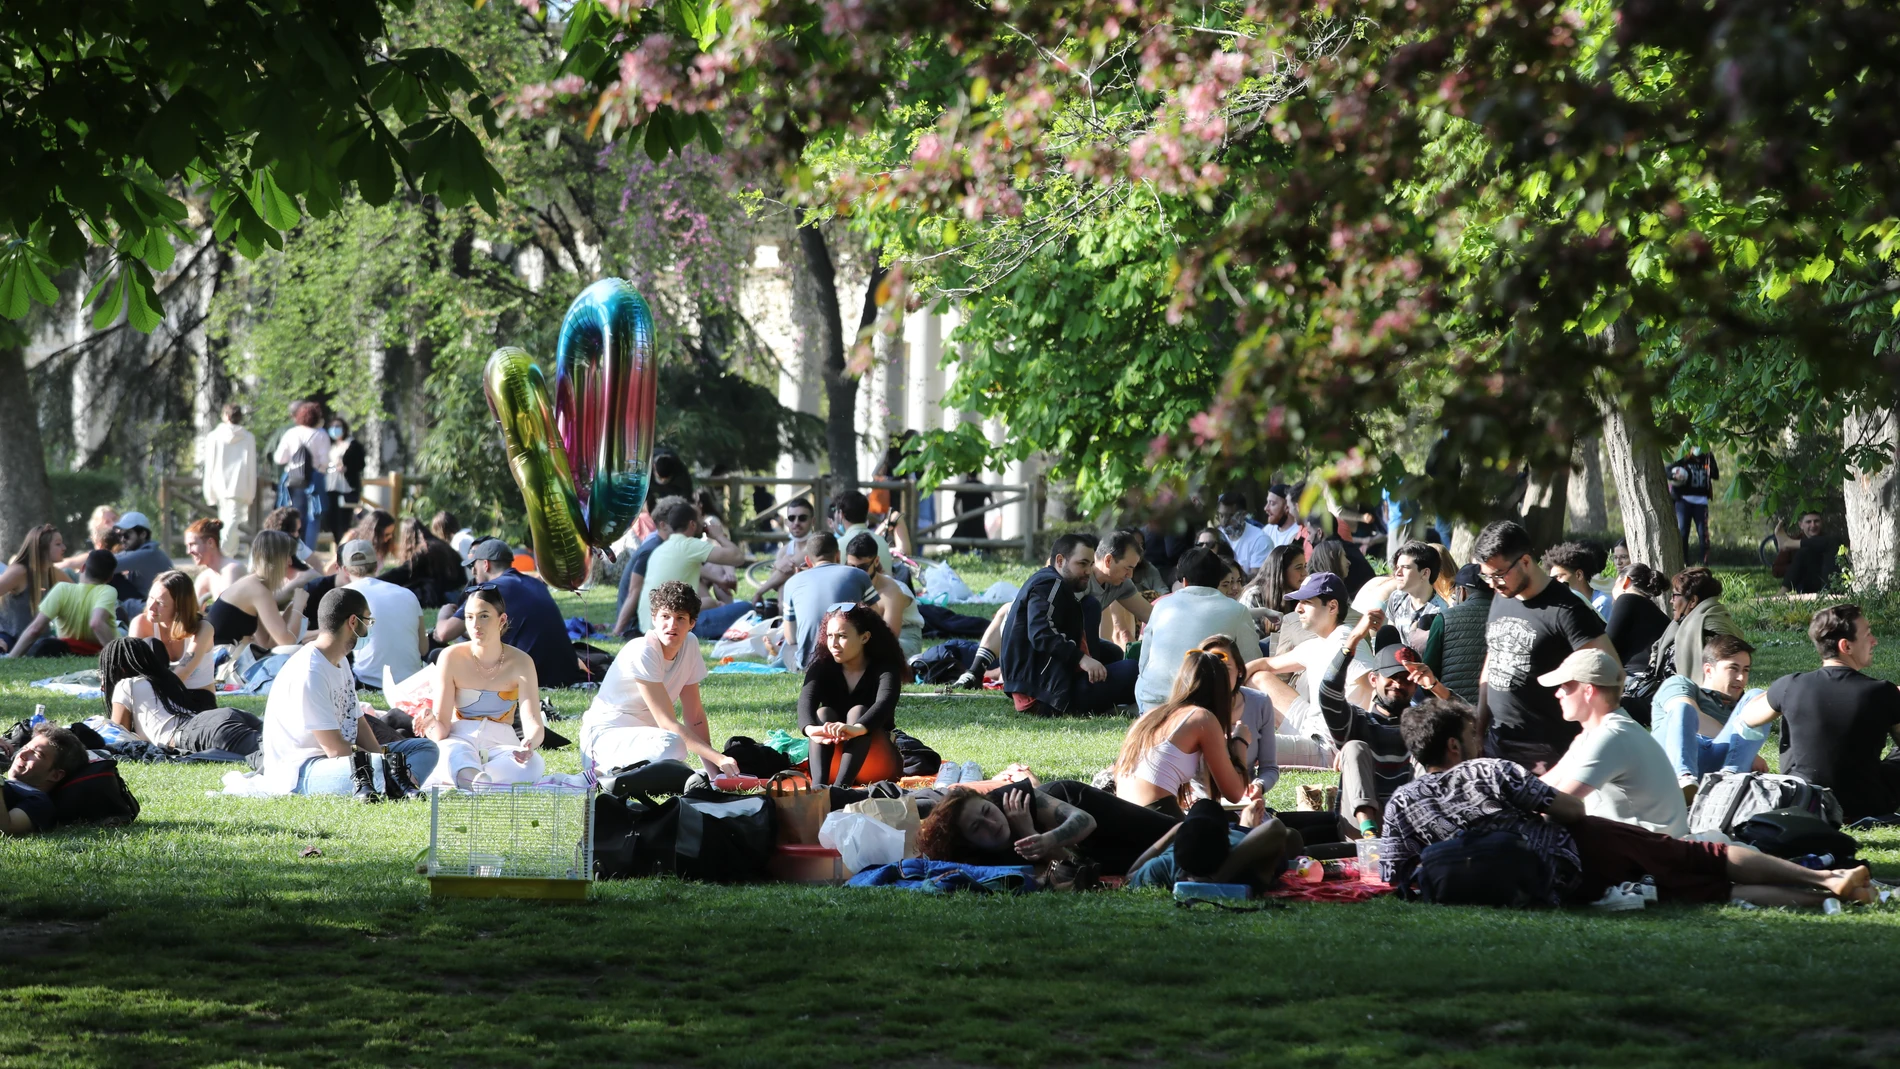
(1353, 890)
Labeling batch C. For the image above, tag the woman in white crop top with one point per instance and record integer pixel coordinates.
(1167, 747)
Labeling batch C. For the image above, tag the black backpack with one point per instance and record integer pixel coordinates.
(756, 758)
(1487, 868)
(297, 471)
(703, 834)
(95, 794)
(1794, 832)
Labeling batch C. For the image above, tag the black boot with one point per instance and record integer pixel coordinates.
(363, 775)
(396, 778)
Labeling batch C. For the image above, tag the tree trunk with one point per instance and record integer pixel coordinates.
(1873, 499)
(1587, 511)
(841, 388)
(23, 487)
(1642, 490)
(1463, 537)
(1542, 512)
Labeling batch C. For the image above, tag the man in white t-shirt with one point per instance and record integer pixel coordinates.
(317, 737)
(632, 718)
(400, 634)
(1283, 520)
(1185, 619)
(1303, 737)
(1615, 766)
(1250, 544)
(678, 559)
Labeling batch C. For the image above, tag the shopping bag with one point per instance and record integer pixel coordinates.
(801, 810)
(899, 813)
(861, 841)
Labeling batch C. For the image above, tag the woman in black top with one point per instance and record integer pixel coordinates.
(848, 705)
(343, 483)
(1635, 620)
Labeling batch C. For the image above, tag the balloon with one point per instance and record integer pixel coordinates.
(580, 456)
(518, 396)
(605, 381)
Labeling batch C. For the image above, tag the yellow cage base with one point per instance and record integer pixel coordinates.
(507, 887)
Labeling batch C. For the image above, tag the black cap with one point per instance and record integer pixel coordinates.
(1201, 846)
(489, 549)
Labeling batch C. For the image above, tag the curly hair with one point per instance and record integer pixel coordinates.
(939, 838)
(676, 597)
(881, 648)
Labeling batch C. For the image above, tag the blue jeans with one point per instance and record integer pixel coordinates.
(1687, 514)
(1116, 688)
(713, 622)
(1694, 755)
(308, 502)
(331, 775)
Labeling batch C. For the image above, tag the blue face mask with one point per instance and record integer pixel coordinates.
(336, 433)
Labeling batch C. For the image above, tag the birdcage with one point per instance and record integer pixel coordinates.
(511, 841)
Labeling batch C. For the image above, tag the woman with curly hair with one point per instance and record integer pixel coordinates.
(848, 705)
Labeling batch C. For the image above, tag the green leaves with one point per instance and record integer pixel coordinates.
(23, 278)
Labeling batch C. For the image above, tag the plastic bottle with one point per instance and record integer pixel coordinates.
(39, 715)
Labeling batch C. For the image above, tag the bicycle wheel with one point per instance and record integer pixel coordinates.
(1767, 550)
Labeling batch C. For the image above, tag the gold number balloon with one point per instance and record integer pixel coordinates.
(580, 455)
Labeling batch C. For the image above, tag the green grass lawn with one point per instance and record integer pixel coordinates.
(200, 935)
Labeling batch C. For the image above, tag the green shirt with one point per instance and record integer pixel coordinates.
(70, 607)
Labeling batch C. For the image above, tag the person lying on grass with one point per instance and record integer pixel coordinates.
(1584, 855)
(1010, 825)
(51, 755)
(1205, 847)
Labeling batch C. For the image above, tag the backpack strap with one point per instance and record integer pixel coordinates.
(1734, 804)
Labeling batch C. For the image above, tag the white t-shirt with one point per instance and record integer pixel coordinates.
(395, 638)
(1278, 536)
(1632, 776)
(1250, 549)
(619, 703)
(156, 722)
(309, 695)
(679, 557)
(1316, 655)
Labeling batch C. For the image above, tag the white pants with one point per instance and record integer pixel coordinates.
(609, 748)
(233, 514)
(483, 747)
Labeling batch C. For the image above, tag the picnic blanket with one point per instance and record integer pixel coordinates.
(946, 877)
(748, 668)
(1352, 890)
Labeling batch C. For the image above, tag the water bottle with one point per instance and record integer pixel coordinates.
(39, 715)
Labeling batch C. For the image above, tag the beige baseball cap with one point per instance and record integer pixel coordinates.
(1591, 666)
(356, 551)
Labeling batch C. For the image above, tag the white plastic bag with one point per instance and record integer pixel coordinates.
(1001, 592)
(744, 640)
(861, 841)
(942, 581)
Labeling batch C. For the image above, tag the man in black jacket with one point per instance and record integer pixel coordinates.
(1047, 665)
(1373, 761)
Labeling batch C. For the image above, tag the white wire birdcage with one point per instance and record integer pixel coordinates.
(514, 832)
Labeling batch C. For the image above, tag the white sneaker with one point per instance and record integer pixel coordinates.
(1617, 899)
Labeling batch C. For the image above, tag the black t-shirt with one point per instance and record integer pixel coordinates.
(30, 800)
(1836, 723)
(1525, 639)
(1635, 625)
(1815, 562)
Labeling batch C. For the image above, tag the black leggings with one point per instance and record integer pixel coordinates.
(1122, 829)
(232, 730)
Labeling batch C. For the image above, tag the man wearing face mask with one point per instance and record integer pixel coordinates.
(1372, 758)
(317, 738)
(1048, 666)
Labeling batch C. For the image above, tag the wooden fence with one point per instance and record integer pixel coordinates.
(818, 488)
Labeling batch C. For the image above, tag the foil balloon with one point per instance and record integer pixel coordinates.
(580, 453)
(518, 396)
(605, 384)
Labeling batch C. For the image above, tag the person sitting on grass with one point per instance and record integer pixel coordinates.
(81, 614)
(317, 737)
(535, 626)
(248, 611)
(1582, 856)
(1373, 761)
(1052, 664)
(1206, 848)
(1455, 649)
(812, 593)
(1714, 724)
(1415, 600)
(1613, 764)
(43, 763)
(204, 544)
(1839, 719)
(1252, 740)
(143, 696)
(1010, 825)
(483, 685)
(1572, 564)
(33, 571)
(895, 603)
(631, 718)
(172, 619)
(1320, 605)
(1166, 749)
(848, 705)
(1185, 619)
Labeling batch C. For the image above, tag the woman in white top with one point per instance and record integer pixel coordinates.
(1168, 746)
(483, 685)
(204, 544)
(144, 697)
(172, 617)
(309, 500)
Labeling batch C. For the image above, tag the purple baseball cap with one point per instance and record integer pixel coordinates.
(1317, 585)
